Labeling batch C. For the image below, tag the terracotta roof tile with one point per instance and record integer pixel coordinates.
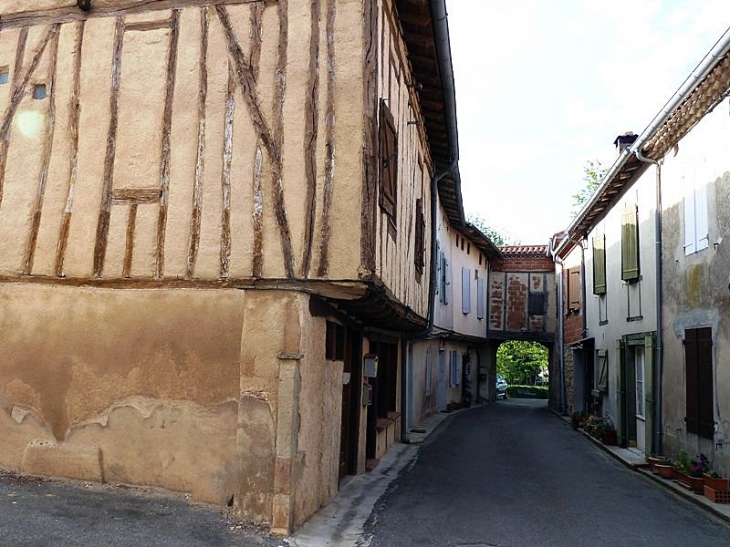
(524, 250)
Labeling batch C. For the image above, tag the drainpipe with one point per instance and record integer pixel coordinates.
(658, 365)
(561, 326)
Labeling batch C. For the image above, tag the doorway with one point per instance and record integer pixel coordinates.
(351, 394)
(442, 381)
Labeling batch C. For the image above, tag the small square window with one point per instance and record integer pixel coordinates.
(39, 91)
(4, 75)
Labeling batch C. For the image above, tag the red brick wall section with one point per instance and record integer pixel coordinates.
(524, 264)
(516, 304)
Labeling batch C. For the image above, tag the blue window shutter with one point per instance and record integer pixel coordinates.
(465, 290)
(481, 300)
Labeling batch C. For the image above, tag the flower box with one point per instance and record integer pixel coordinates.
(696, 484)
(719, 484)
(664, 471)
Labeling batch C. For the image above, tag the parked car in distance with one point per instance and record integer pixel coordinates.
(501, 387)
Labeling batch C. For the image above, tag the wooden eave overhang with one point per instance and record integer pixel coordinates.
(481, 241)
(437, 99)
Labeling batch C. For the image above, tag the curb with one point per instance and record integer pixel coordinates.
(696, 499)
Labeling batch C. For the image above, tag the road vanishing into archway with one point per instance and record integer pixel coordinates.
(513, 474)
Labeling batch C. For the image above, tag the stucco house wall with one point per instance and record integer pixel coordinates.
(695, 284)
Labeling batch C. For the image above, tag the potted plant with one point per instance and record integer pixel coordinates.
(715, 481)
(664, 468)
(690, 473)
(652, 460)
(608, 435)
(577, 419)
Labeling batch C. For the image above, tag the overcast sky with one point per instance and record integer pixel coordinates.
(544, 86)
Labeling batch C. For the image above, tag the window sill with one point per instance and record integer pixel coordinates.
(601, 323)
(635, 318)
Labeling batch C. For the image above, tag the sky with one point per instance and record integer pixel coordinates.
(544, 86)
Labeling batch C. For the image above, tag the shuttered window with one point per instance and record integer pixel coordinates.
(630, 244)
(465, 290)
(388, 152)
(696, 233)
(699, 389)
(419, 242)
(453, 368)
(574, 289)
(599, 264)
(481, 299)
(602, 369)
(445, 279)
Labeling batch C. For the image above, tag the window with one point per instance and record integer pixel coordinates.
(481, 298)
(429, 367)
(573, 289)
(386, 383)
(335, 342)
(630, 244)
(445, 279)
(639, 365)
(4, 75)
(536, 303)
(465, 290)
(599, 264)
(602, 370)
(418, 258)
(696, 233)
(700, 416)
(39, 91)
(454, 369)
(388, 153)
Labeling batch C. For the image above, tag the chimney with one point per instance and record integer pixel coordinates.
(622, 142)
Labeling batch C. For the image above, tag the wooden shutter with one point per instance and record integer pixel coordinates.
(690, 233)
(692, 410)
(701, 226)
(536, 304)
(481, 299)
(602, 370)
(419, 245)
(388, 142)
(705, 404)
(629, 244)
(465, 290)
(574, 289)
(599, 264)
(447, 281)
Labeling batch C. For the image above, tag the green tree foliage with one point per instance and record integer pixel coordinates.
(521, 362)
(593, 174)
(497, 237)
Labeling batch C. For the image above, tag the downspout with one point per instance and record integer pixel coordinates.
(658, 365)
(561, 327)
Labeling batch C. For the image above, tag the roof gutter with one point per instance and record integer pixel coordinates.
(719, 50)
(440, 20)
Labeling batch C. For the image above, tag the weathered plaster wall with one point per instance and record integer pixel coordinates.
(150, 377)
(424, 404)
(695, 286)
(629, 308)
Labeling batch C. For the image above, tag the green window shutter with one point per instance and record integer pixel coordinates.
(649, 392)
(629, 244)
(599, 264)
(602, 370)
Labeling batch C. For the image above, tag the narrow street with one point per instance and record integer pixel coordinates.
(512, 474)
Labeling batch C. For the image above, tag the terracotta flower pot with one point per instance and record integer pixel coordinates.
(719, 484)
(652, 461)
(664, 471)
(696, 484)
(609, 438)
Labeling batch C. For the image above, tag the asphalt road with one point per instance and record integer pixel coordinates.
(513, 474)
(40, 513)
